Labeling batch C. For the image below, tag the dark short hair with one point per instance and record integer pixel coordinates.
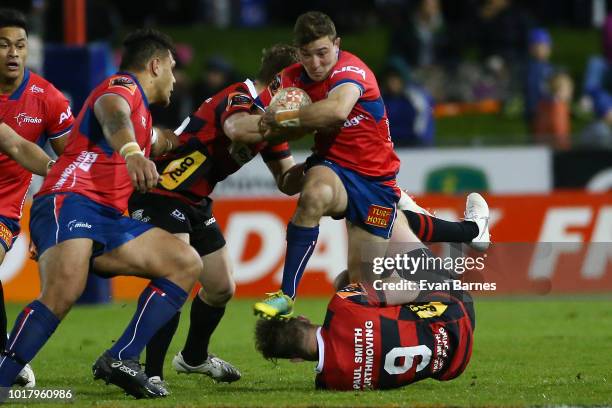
(142, 45)
(280, 338)
(274, 59)
(311, 26)
(13, 18)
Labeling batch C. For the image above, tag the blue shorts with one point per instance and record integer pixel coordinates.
(9, 230)
(372, 202)
(56, 218)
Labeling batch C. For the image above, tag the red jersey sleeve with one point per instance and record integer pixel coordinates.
(237, 101)
(347, 73)
(59, 116)
(123, 86)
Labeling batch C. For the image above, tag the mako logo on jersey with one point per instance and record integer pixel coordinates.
(350, 68)
(78, 224)
(179, 170)
(25, 118)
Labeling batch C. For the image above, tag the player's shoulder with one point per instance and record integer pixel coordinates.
(353, 293)
(245, 89)
(120, 82)
(350, 66)
(39, 87)
(292, 73)
(346, 58)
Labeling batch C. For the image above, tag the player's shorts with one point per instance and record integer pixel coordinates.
(9, 230)
(56, 218)
(176, 216)
(372, 202)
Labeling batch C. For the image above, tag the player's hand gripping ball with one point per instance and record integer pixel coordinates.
(282, 115)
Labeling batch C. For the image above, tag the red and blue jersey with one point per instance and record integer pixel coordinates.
(363, 144)
(365, 345)
(89, 166)
(206, 155)
(37, 111)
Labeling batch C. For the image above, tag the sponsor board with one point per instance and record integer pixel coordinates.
(425, 171)
(590, 169)
(557, 243)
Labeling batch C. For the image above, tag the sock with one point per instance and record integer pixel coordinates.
(158, 347)
(2, 320)
(432, 229)
(159, 301)
(204, 319)
(33, 327)
(301, 242)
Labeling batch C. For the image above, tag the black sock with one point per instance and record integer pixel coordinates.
(2, 320)
(158, 347)
(432, 229)
(204, 321)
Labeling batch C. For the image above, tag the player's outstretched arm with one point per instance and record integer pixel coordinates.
(113, 113)
(243, 127)
(27, 154)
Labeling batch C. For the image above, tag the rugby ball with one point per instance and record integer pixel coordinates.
(290, 99)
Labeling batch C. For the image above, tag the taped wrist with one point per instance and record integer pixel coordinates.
(130, 149)
(287, 118)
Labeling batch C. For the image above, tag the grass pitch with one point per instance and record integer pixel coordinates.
(546, 351)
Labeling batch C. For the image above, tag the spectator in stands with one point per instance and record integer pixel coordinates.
(218, 73)
(537, 73)
(409, 108)
(597, 89)
(552, 115)
(423, 42)
(501, 31)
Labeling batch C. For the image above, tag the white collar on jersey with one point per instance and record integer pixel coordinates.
(321, 351)
(251, 87)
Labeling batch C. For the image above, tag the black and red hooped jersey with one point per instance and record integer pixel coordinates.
(206, 155)
(363, 345)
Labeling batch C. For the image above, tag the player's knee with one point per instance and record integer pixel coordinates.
(316, 199)
(186, 264)
(219, 295)
(60, 298)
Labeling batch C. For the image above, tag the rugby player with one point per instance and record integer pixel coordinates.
(37, 112)
(76, 219)
(352, 172)
(380, 338)
(220, 137)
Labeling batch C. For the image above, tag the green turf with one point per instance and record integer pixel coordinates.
(526, 352)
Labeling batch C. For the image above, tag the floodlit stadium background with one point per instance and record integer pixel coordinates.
(459, 123)
(458, 104)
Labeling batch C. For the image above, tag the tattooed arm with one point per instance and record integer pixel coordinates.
(113, 113)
